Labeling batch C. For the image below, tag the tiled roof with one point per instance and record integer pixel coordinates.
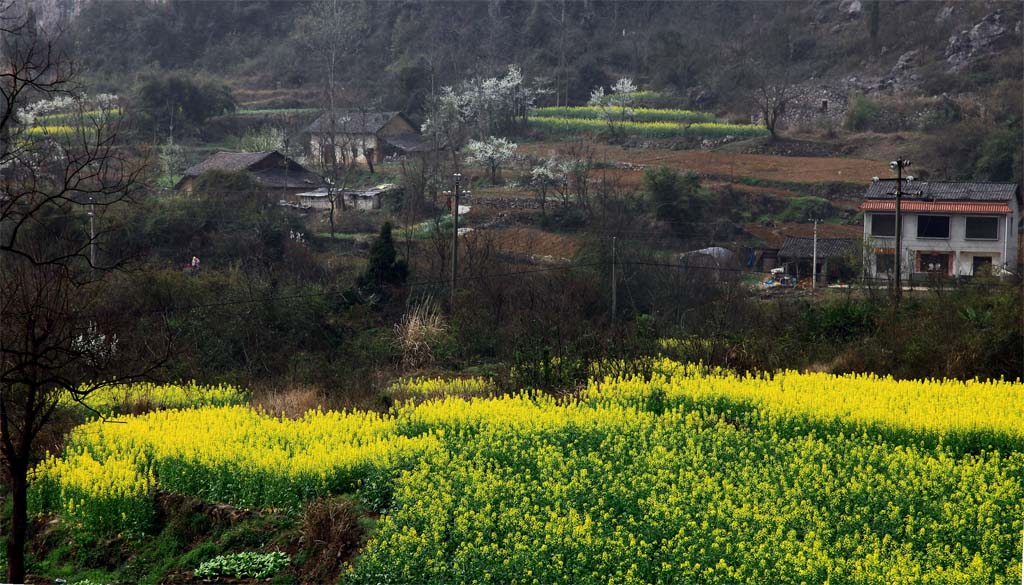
(943, 190)
(935, 206)
(229, 162)
(827, 248)
(409, 142)
(282, 172)
(774, 237)
(353, 122)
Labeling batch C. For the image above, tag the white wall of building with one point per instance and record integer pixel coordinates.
(961, 250)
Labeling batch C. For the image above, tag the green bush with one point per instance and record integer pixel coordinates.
(244, 565)
(862, 113)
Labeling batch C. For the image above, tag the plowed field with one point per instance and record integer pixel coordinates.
(794, 169)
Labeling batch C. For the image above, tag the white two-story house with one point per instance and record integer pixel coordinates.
(951, 228)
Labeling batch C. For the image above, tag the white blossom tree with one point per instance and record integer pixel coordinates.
(481, 107)
(491, 152)
(615, 107)
(548, 176)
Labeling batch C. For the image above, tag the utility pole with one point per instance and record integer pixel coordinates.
(814, 258)
(92, 232)
(455, 236)
(898, 165)
(614, 291)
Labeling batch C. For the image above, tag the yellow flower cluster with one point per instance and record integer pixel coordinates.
(571, 493)
(422, 388)
(637, 114)
(649, 129)
(120, 398)
(51, 130)
(972, 414)
(690, 475)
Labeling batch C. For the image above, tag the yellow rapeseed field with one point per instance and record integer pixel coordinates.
(692, 475)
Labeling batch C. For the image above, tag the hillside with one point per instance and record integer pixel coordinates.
(705, 53)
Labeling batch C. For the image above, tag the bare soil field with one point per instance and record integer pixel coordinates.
(534, 242)
(796, 169)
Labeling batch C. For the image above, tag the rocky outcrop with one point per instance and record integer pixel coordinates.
(977, 43)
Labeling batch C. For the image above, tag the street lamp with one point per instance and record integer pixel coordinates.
(898, 165)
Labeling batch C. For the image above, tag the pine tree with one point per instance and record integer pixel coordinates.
(384, 267)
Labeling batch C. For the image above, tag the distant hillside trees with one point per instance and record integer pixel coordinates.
(175, 104)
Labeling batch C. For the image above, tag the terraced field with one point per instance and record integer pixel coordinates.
(790, 169)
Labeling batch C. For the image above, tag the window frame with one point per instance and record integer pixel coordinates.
(949, 227)
(992, 239)
(875, 216)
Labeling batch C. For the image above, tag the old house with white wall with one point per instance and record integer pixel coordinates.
(949, 228)
(364, 138)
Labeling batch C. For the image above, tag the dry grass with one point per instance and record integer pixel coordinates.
(535, 242)
(332, 533)
(419, 332)
(292, 402)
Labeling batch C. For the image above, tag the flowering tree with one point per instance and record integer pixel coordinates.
(546, 177)
(491, 152)
(480, 107)
(616, 106)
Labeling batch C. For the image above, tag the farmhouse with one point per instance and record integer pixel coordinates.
(364, 138)
(271, 170)
(949, 228)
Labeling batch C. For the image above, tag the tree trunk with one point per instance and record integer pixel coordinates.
(331, 199)
(17, 529)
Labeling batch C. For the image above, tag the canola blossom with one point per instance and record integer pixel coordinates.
(119, 398)
(637, 114)
(647, 129)
(422, 388)
(691, 475)
(968, 415)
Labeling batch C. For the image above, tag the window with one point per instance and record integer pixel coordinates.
(883, 224)
(885, 263)
(982, 228)
(933, 226)
(938, 263)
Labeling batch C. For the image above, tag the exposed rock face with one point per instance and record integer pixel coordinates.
(851, 8)
(970, 46)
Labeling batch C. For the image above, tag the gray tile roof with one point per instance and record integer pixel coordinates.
(409, 142)
(827, 248)
(943, 190)
(353, 122)
(269, 168)
(228, 162)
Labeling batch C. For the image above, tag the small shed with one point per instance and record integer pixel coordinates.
(797, 254)
(361, 199)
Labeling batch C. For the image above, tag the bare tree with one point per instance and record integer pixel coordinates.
(55, 342)
(771, 97)
(331, 29)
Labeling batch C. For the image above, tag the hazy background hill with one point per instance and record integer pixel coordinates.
(708, 53)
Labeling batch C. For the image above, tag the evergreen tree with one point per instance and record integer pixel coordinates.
(384, 267)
